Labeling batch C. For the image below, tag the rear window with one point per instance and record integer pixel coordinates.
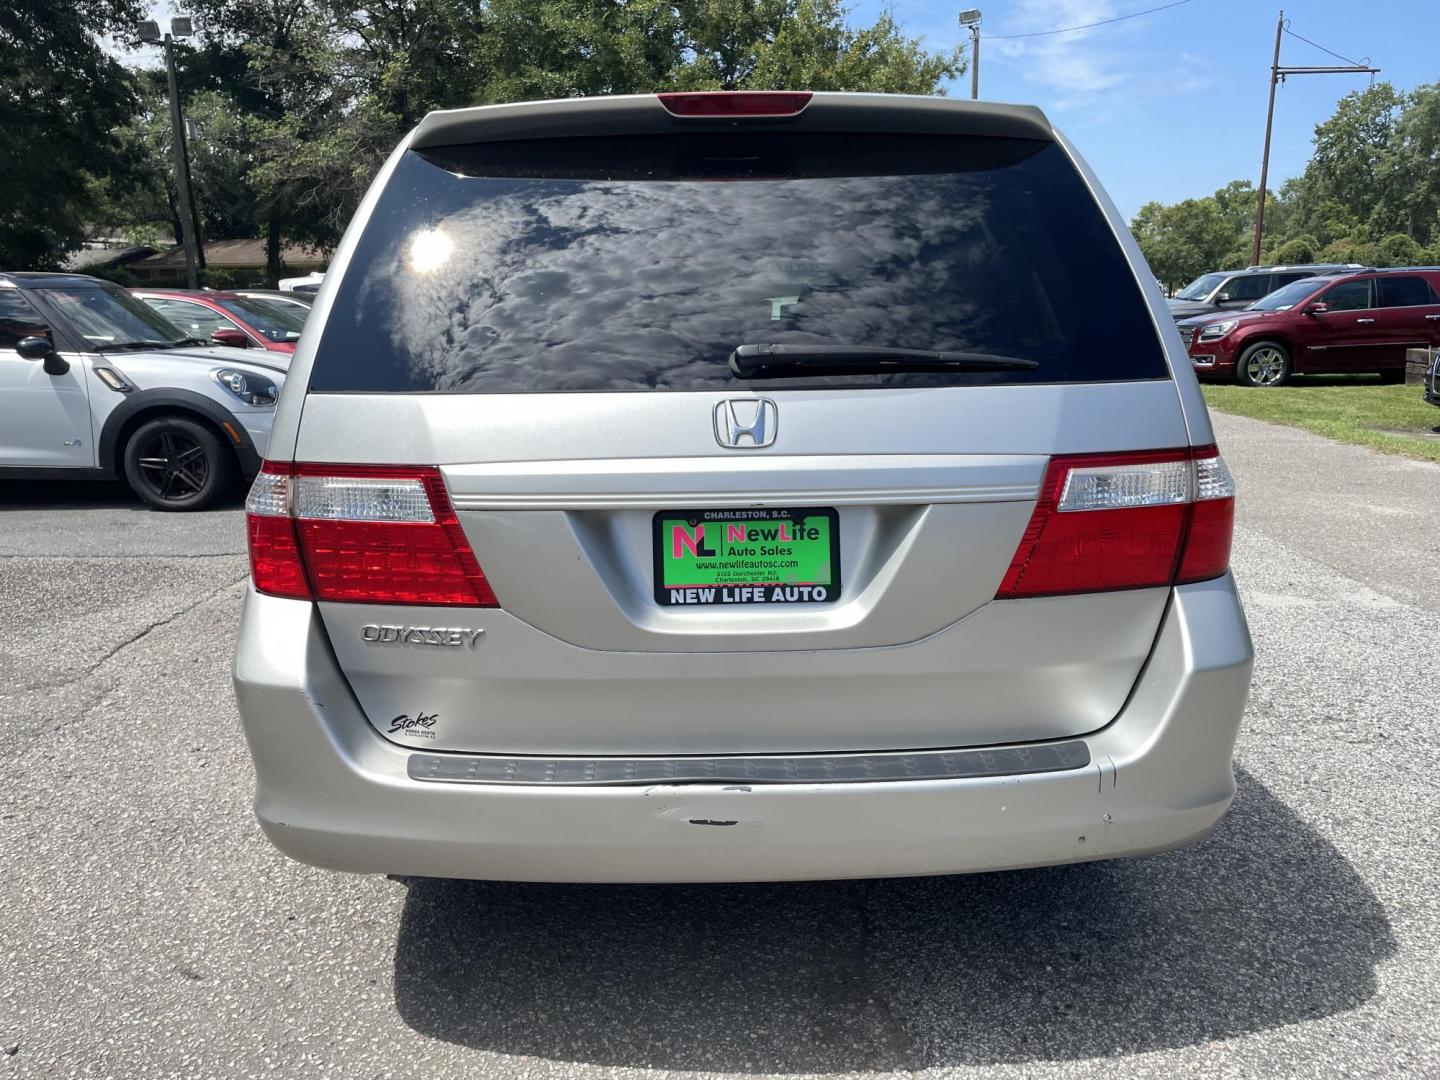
(275, 322)
(1404, 292)
(640, 263)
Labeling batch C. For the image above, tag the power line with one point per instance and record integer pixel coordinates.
(1355, 63)
(1087, 26)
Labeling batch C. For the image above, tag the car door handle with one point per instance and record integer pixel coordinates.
(1434, 317)
(1364, 320)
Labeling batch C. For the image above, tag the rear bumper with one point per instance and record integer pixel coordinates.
(331, 792)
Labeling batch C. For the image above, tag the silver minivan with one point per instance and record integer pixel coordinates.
(739, 486)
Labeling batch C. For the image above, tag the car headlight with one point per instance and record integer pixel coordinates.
(252, 389)
(1215, 331)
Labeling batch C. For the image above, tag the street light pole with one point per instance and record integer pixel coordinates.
(975, 62)
(150, 34)
(1277, 76)
(182, 170)
(1265, 156)
(971, 18)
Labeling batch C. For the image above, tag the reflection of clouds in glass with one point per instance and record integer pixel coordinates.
(588, 285)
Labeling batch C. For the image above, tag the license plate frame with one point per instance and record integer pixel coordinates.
(777, 586)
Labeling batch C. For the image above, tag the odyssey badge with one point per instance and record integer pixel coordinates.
(444, 637)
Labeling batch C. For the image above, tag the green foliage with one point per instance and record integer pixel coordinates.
(1351, 408)
(1370, 195)
(297, 102)
(1299, 249)
(61, 95)
(225, 279)
(802, 44)
(1184, 240)
(118, 274)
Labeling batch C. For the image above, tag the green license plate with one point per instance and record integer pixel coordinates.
(705, 557)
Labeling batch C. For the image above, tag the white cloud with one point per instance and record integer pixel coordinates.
(1098, 69)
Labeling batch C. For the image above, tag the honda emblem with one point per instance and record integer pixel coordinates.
(746, 423)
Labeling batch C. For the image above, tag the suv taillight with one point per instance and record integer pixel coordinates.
(1126, 521)
(371, 534)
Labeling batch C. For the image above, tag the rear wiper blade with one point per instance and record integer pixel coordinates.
(749, 361)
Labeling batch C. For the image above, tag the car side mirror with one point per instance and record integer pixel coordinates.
(40, 348)
(1223, 298)
(1317, 308)
(234, 338)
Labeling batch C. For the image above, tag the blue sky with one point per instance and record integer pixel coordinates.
(1172, 105)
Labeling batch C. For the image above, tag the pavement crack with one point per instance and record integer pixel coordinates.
(137, 636)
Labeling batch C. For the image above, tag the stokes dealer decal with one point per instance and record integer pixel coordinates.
(416, 727)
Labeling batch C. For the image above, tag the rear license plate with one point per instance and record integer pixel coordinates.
(705, 557)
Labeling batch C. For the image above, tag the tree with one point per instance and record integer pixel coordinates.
(569, 48)
(1339, 189)
(61, 97)
(1182, 241)
(311, 144)
(1298, 249)
(803, 44)
(1369, 195)
(299, 101)
(1408, 172)
(578, 48)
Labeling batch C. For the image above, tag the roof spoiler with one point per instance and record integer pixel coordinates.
(645, 114)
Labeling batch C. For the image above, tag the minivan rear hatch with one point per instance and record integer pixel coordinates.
(740, 410)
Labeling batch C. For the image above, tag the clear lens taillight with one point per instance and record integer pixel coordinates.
(377, 534)
(1126, 521)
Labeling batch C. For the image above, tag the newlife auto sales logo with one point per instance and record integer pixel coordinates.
(746, 557)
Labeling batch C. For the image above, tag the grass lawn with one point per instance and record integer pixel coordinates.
(1351, 408)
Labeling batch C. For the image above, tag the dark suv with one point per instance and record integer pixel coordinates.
(1343, 323)
(1226, 290)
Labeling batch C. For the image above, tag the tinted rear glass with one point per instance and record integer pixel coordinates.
(640, 263)
(1404, 292)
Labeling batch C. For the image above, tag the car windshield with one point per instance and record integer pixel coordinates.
(1283, 299)
(1200, 288)
(108, 317)
(276, 323)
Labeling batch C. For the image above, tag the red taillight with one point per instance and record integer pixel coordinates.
(737, 103)
(1125, 521)
(275, 562)
(374, 534)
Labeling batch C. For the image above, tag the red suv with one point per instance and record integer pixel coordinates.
(1338, 323)
(228, 318)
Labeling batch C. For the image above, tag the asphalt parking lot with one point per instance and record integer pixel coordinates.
(149, 931)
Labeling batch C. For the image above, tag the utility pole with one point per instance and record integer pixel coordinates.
(1277, 76)
(150, 32)
(971, 18)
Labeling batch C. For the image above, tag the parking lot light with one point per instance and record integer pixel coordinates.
(149, 31)
(971, 17)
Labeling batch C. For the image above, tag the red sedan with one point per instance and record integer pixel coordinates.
(227, 318)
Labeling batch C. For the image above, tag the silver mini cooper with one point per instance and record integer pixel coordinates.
(739, 486)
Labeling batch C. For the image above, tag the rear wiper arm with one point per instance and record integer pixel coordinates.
(749, 361)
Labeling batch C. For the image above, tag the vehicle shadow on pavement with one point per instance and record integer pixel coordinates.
(1263, 925)
(87, 495)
